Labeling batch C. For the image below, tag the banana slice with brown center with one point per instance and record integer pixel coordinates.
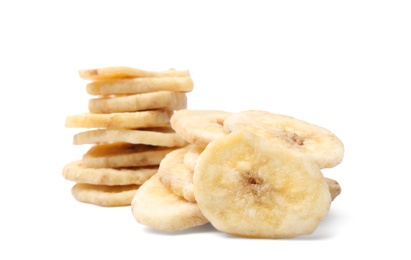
(248, 187)
(324, 147)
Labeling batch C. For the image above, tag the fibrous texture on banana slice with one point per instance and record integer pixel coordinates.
(248, 187)
(318, 143)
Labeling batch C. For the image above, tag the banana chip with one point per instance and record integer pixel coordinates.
(318, 143)
(248, 187)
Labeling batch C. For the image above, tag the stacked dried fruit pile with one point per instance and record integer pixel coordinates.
(128, 126)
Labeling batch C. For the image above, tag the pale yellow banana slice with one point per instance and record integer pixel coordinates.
(104, 195)
(156, 206)
(139, 85)
(175, 175)
(324, 147)
(248, 187)
(120, 72)
(194, 151)
(199, 127)
(190, 158)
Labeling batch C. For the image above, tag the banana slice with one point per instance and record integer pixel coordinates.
(334, 187)
(317, 142)
(250, 188)
(156, 206)
(175, 175)
(190, 158)
(199, 127)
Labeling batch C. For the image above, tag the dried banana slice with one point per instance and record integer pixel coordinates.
(121, 72)
(334, 187)
(317, 142)
(140, 85)
(163, 100)
(199, 127)
(190, 158)
(248, 187)
(77, 172)
(175, 175)
(104, 195)
(156, 206)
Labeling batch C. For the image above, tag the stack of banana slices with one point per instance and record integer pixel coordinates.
(128, 128)
(250, 174)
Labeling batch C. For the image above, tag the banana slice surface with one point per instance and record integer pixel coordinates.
(248, 187)
(317, 142)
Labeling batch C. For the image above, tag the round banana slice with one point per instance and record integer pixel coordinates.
(190, 158)
(194, 151)
(250, 188)
(317, 142)
(175, 175)
(156, 206)
(199, 127)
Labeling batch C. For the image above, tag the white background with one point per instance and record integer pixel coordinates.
(344, 65)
